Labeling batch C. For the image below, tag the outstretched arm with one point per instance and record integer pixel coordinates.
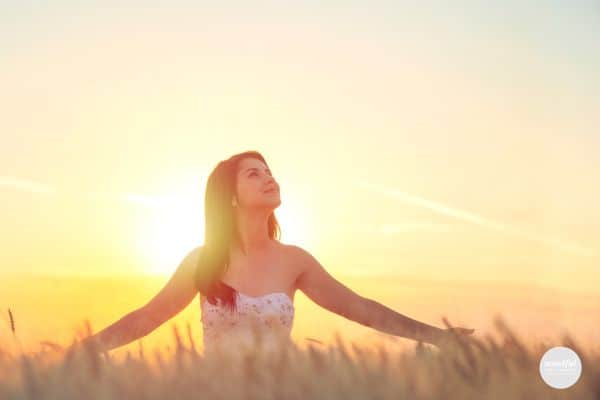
(174, 296)
(332, 295)
(127, 329)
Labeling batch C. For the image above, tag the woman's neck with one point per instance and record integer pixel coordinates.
(253, 233)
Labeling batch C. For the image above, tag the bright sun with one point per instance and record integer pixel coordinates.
(293, 219)
(175, 225)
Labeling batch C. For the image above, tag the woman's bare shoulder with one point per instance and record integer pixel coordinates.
(295, 251)
(297, 256)
(194, 254)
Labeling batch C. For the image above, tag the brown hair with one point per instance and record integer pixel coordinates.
(221, 230)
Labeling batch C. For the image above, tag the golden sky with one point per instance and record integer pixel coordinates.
(442, 143)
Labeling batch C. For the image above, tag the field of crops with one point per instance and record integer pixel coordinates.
(482, 368)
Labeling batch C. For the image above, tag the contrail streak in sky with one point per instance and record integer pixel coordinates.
(476, 219)
(26, 185)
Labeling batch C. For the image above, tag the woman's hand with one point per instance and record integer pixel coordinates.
(64, 351)
(453, 336)
(461, 331)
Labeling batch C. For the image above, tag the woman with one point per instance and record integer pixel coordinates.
(247, 278)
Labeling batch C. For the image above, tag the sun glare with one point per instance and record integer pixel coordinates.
(293, 218)
(175, 224)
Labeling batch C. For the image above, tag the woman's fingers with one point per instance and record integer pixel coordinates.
(456, 335)
(464, 331)
(450, 328)
(54, 346)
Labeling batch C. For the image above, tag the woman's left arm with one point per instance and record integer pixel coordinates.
(326, 291)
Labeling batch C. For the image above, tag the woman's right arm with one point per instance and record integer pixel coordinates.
(178, 292)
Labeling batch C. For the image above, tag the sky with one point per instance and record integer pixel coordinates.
(445, 142)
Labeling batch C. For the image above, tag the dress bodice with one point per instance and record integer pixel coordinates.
(271, 316)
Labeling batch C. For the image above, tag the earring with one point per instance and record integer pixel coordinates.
(233, 203)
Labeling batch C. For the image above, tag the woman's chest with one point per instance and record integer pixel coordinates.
(259, 276)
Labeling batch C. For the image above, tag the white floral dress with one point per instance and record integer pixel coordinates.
(264, 318)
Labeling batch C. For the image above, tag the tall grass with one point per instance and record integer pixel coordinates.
(480, 368)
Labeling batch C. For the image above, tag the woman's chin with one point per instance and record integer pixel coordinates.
(274, 204)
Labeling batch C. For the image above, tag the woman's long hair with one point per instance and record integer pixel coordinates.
(220, 230)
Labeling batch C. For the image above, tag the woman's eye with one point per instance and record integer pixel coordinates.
(252, 174)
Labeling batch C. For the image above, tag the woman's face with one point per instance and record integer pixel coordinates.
(256, 186)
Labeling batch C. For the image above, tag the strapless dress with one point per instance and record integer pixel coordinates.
(267, 319)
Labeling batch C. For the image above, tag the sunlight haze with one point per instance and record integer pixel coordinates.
(448, 143)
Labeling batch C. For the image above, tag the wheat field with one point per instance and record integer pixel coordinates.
(482, 368)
